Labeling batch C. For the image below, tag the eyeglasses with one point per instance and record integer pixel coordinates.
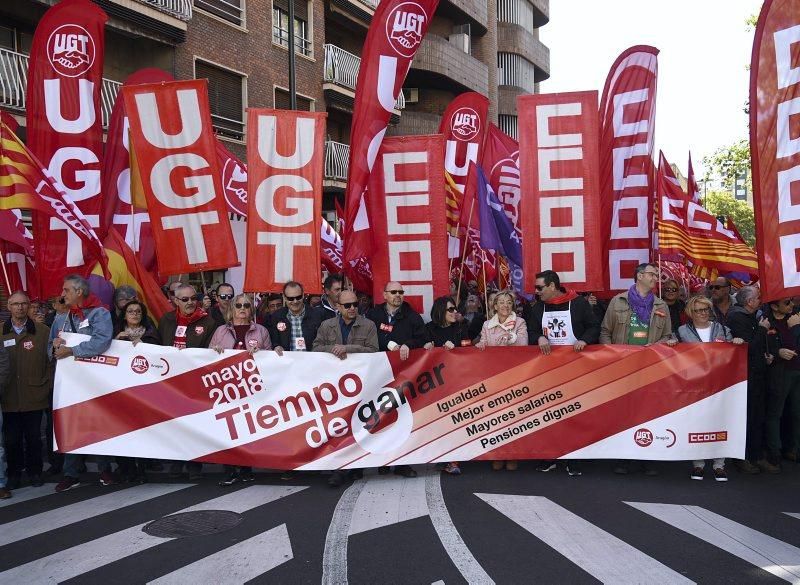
(670, 289)
(703, 310)
(293, 299)
(133, 312)
(718, 286)
(242, 305)
(225, 297)
(185, 299)
(395, 292)
(540, 287)
(451, 309)
(350, 305)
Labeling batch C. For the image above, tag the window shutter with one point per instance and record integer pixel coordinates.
(224, 98)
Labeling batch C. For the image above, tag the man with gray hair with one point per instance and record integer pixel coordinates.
(745, 321)
(88, 316)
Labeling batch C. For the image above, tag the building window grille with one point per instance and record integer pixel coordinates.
(229, 10)
(225, 98)
(508, 124)
(516, 70)
(516, 12)
(282, 101)
(280, 27)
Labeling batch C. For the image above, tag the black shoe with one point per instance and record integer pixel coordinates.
(13, 482)
(36, 481)
(195, 475)
(336, 479)
(287, 475)
(546, 466)
(232, 479)
(247, 476)
(355, 474)
(385, 470)
(573, 469)
(55, 470)
(405, 471)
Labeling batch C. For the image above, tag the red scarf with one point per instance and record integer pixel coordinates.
(565, 298)
(91, 302)
(184, 321)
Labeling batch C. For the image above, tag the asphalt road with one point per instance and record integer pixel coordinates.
(480, 527)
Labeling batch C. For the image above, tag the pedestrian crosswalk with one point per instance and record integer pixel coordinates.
(275, 542)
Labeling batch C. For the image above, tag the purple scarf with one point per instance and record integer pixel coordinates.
(642, 306)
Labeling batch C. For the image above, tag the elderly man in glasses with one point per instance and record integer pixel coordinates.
(294, 327)
(722, 299)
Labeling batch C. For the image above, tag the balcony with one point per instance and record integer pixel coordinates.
(515, 39)
(446, 63)
(14, 81)
(529, 14)
(337, 156)
(340, 78)
(180, 9)
(360, 11)
(168, 19)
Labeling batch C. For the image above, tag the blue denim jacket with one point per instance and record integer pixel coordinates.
(97, 325)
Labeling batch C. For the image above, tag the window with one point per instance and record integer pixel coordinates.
(229, 10)
(225, 98)
(280, 26)
(282, 101)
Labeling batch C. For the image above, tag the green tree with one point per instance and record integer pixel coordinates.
(722, 203)
(729, 161)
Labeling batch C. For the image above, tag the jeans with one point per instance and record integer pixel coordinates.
(756, 407)
(72, 464)
(784, 385)
(2, 455)
(22, 433)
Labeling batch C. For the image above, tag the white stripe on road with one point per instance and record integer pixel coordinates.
(239, 563)
(793, 514)
(28, 493)
(451, 540)
(602, 555)
(334, 558)
(66, 515)
(86, 557)
(773, 555)
(387, 500)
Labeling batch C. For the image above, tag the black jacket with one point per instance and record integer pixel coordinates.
(455, 333)
(280, 328)
(407, 328)
(585, 325)
(198, 333)
(745, 325)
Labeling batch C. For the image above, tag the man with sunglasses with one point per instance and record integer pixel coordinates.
(294, 327)
(225, 293)
(400, 328)
(722, 299)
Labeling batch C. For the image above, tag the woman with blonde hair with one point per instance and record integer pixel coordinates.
(504, 328)
(701, 329)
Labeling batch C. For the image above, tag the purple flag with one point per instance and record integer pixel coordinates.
(497, 231)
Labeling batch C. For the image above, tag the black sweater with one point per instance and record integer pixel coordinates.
(455, 334)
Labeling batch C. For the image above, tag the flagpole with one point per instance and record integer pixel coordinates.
(485, 288)
(464, 251)
(5, 274)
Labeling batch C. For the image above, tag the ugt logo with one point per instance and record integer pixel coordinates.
(465, 124)
(71, 50)
(404, 28)
(139, 364)
(643, 437)
(234, 178)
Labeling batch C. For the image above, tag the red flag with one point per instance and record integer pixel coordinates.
(627, 118)
(685, 228)
(395, 34)
(560, 173)
(691, 183)
(406, 195)
(19, 268)
(286, 150)
(171, 133)
(463, 125)
(359, 271)
(64, 128)
(775, 146)
(12, 230)
(234, 180)
(119, 211)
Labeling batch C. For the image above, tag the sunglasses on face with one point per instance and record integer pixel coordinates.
(670, 290)
(717, 286)
(350, 305)
(292, 299)
(540, 287)
(451, 309)
(225, 297)
(242, 305)
(703, 310)
(187, 299)
(395, 292)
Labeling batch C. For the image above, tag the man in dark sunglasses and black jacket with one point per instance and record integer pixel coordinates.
(293, 327)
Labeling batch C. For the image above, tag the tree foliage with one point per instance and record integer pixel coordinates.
(729, 161)
(722, 203)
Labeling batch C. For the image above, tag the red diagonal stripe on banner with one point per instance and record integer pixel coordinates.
(131, 409)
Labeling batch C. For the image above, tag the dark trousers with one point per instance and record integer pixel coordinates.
(784, 384)
(756, 413)
(22, 434)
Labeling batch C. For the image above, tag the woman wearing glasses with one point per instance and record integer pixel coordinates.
(445, 330)
(504, 328)
(701, 329)
(240, 331)
(671, 293)
(135, 326)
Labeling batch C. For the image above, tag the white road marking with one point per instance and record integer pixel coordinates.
(239, 563)
(66, 515)
(602, 555)
(86, 557)
(28, 493)
(462, 558)
(334, 558)
(793, 514)
(385, 500)
(773, 555)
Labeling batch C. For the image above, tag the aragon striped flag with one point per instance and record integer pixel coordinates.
(687, 229)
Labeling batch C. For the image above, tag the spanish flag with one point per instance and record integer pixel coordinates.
(126, 269)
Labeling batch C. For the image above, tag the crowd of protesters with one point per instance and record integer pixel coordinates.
(342, 321)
